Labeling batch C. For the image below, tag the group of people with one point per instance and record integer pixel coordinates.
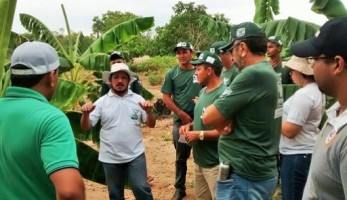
(228, 109)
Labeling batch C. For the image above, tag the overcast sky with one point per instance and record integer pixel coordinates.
(81, 12)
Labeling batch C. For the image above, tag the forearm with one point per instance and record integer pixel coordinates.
(151, 120)
(171, 104)
(85, 122)
(212, 117)
(290, 130)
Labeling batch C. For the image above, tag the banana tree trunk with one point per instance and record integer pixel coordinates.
(7, 9)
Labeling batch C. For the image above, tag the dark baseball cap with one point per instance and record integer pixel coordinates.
(207, 57)
(331, 39)
(243, 31)
(275, 39)
(215, 47)
(116, 55)
(184, 45)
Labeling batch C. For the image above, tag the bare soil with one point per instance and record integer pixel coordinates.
(160, 155)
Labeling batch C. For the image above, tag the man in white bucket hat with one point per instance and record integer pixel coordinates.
(121, 147)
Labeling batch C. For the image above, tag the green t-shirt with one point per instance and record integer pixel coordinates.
(35, 140)
(284, 73)
(183, 86)
(229, 75)
(251, 101)
(205, 152)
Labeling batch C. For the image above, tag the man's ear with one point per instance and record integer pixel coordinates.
(51, 78)
(340, 65)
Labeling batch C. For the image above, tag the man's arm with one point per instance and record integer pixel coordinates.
(68, 184)
(148, 108)
(290, 130)
(212, 117)
(186, 119)
(85, 121)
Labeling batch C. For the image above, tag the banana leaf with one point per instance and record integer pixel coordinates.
(67, 95)
(42, 32)
(216, 28)
(5, 82)
(330, 8)
(264, 10)
(121, 33)
(7, 10)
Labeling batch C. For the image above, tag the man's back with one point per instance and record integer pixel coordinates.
(35, 141)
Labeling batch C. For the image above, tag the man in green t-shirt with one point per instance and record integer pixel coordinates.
(253, 104)
(203, 138)
(229, 71)
(37, 147)
(179, 89)
(274, 48)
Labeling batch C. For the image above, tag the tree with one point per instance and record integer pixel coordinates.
(111, 19)
(97, 27)
(184, 26)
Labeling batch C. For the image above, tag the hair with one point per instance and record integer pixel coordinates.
(216, 70)
(308, 77)
(26, 81)
(257, 44)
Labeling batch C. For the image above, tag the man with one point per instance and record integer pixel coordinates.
(135, 86)
(38, 150)
(205, 140)
(274, 48)
(229, 71)
(328, 52)
(121, 147)
(248, 153)
(179, 89)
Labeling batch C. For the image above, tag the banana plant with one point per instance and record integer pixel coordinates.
(79, 66)
(7, 10)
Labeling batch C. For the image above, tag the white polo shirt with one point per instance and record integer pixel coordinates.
(120, 135)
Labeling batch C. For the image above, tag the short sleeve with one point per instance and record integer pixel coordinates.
(168, 86)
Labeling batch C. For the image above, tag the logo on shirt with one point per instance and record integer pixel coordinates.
(330, 137)
(203, 111)
(227, 92)
(195, 79)
(134, 115)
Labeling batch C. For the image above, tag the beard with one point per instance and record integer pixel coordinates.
(120, 91)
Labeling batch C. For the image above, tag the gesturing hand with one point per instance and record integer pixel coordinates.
(88, 108)
(146, 106)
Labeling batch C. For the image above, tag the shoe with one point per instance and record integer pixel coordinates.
(178, 195)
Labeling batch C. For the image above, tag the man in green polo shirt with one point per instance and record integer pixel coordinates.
(203, 138)
(37, 146)
(179, 89)
(252, 103)
(229, 71)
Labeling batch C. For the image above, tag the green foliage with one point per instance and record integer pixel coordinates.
(7, 10)
(111, 19)
(330, 8)
(155, 64)
(264, 10)
(155, 79)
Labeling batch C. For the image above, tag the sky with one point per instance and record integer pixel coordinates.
(81, 12)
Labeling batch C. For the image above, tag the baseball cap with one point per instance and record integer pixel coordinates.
(207, 57)
(215, 47)
(299, 64)
(39, 57)
(184, 45)
(330, 40)
(275, 39)
(242, 31)
(116, 55)
(116, 68)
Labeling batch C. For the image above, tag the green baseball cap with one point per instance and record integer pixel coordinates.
(215, 47)
(242, 31)
(275, 39)
(184, 45)
(207, 57)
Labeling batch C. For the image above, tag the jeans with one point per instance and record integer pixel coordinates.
(294, 172)
(136, 173)
(236, 187)
(182, 155)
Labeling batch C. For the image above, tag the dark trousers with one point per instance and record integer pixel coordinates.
(294, 172)
(182, 155)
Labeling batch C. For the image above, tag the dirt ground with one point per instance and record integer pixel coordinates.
(160, 155)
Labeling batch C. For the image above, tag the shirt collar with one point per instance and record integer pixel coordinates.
(110, 93)
(21, 92)
(336, 121)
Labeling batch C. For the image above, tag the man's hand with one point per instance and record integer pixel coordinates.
(186, 119)
(228, 129)
(146, 106)
(88, 108)
(192, 136)
(184, 129)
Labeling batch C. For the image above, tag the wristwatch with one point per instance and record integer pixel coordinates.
(201, 135)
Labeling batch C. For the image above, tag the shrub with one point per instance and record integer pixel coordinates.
(155, 79)
(155, 64)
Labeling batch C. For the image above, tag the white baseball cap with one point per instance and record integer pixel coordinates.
(39, 57)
